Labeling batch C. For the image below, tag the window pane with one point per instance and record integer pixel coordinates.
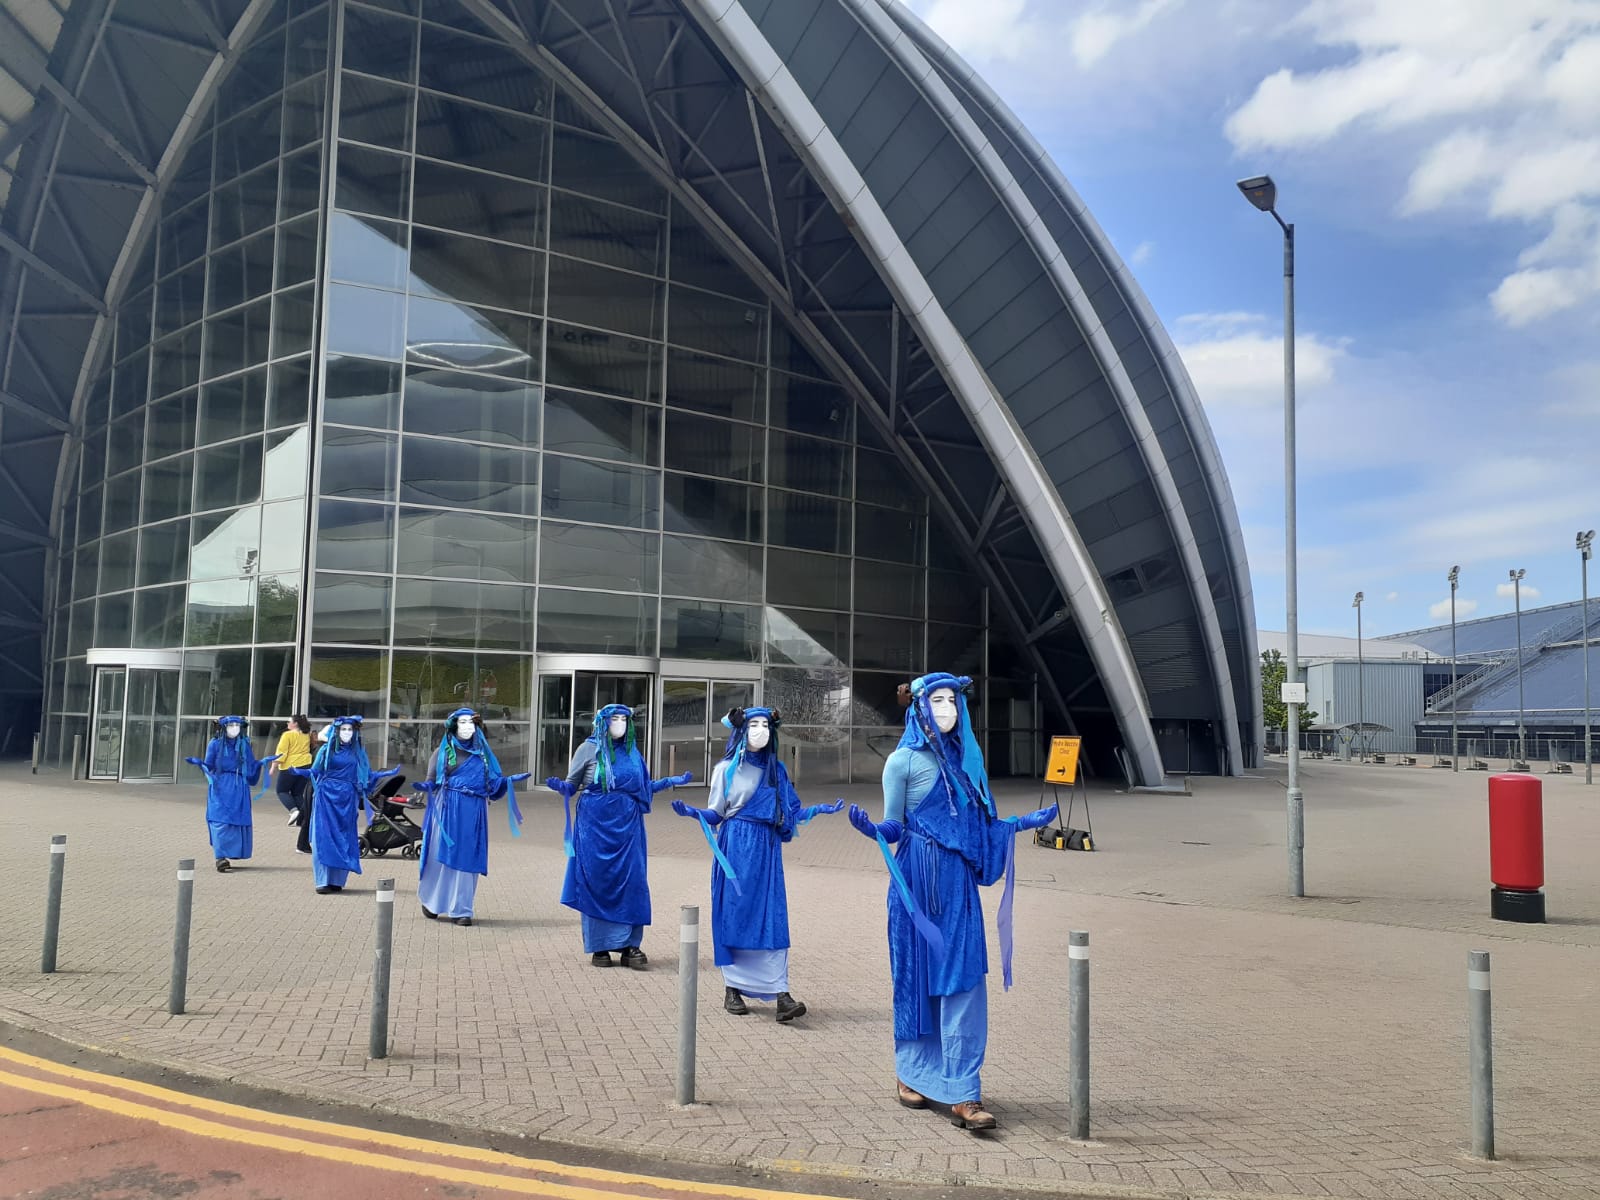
(293, 314)
(891, 589)
(364, 250)
(806, 406)
(809, 580)
(359, 465)
(710, 447)
(602, 362)
(599, 428)
(955, 597)
(288, 393)
(734, 328)
(576, 490)
(955, 648)
(710, 629)
(380, 44)
(168, 488)
(350, 608)
(473, 202)
(818, 696)
(609, 299)
(249, 140)
(716, 386)
(448, 613)
(113, 624)
(342, 680)
(886, 644)
(809, 464)
(599, 167)
(360, 391)
(476, 272)
(225, 545)
(696, 567)
(303, 104)
(806, 638)
(297, 251)
(696, 260)
(300, 183)
(176, 363)
(480, 407)
(274, 683)
(233, 407)
(164, 553)
(242, 272)
(584, 556)
(362, 321)
(229, 475)
(376, 113)
(439, 333)
(480, 70)
(239, 209)
(596, 622)
(875, 701)
(885, 533)
(277, 607)
(237, 339)
(214, 682)
(222, 612)
(373, 182)
(466, 546)
(354, 537)
(283, 535)
(880, 479)
(432, 684)
(479, 137)
(607, 233)
(463, 475)
(809, 522)
(712, 508)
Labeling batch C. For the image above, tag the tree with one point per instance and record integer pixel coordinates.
(1275, 713)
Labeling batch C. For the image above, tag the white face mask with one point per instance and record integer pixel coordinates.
(465, 728)
(231, 729)
(618, 727)
(757, 733)
(346, 735)
(943, 705)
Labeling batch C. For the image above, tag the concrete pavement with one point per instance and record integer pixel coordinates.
(1244, 1043)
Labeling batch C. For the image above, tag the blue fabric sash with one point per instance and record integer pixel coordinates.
(722, 859)
(512, 811)
(929, 931)
(566, 834)
(1003, 917)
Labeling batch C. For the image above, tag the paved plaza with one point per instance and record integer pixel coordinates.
(1244, 1043)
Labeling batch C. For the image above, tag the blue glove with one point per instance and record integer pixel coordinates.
(425, 786)
(689, 810)
(377, 775)
(686, 777)
(304, 772)
(559, 786)
(519, 777)
(890, 830)
(194, 762)
(817, 810)
(1037, 819)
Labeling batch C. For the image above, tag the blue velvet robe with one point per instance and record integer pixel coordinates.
(341, 782)
(755, 916)
(457, 823)
(233, 770)
(607, 876)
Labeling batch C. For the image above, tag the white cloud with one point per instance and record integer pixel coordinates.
(1507, 591)
(1095, 33)
(1142, 253)
(1464, 609)
(1235, 361)
(1498, 102)
(995, 29)
(1392, 597)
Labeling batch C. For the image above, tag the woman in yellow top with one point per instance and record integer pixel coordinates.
(294, 791)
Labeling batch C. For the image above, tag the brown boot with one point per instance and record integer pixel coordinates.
(910, 1098)
(971, 1114)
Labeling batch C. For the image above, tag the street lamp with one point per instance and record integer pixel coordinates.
(1455, 745)
(1585, 549)
(1522, 731)
(1361, 680)
(1263, 193)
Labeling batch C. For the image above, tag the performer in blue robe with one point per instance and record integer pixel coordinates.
(342, 777)
(463, 777)
(755, 810)
(231, 769)
(606, 878)
(938, 808)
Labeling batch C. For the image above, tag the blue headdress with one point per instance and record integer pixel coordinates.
(241, 744)
(604, 762)
(453, 747)
(960, 760)
(738, 748)
(331, 747)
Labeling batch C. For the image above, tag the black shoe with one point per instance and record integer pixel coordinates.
(634, 957)
(224, 866)
(333, 887)
(734, 1002)
(789, 1008)
(325, 890)
(429, 913)
(600, 958)
(462, 921)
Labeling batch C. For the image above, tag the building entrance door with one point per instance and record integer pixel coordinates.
(135, 730)
(568, 701)
(692, 734)
(105, 738)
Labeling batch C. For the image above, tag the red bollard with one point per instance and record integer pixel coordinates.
(1516, 848)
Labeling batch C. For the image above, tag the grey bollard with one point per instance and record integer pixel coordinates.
(1078, 1031)
(1481, 1034)
(36, 754)
(378, 1040)
(52, 904)
(688, 998)
(77, 755)
(178, 989)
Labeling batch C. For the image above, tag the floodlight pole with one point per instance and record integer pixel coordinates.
(1522, 731)
(1455, 744)
(1585, 549)
(1361, 681)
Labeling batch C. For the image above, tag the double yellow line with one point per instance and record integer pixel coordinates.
(483, 1175)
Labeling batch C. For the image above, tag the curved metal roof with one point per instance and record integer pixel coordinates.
(922, 246)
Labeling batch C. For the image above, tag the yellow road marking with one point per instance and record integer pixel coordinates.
(206, 1128)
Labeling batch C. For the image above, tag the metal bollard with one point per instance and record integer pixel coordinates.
(52, 904)
(177, 990)
(77, 755)
(36, 754)
(1078, 1031)
(688, 998)
(378, 1040)
(1481, 1035)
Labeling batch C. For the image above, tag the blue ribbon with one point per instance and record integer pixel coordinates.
(566, 834)
(512, 811)
(1004, 918)
(722, 859)
(929, 931)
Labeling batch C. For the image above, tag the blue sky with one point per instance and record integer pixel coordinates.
(1441, 162)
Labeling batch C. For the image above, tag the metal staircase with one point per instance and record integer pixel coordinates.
(1505, 664)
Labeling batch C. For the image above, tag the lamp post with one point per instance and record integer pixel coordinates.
(1585, 549)
(1263, 193)
(1455, 745)
(1522, 731)
(1361, 680)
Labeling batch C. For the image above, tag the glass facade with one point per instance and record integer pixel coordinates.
(424, 387)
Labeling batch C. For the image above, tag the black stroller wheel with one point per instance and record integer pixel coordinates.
(365, 850)
(409, 852)
(380, 851)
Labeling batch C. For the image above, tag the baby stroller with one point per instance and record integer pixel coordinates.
(390, 828)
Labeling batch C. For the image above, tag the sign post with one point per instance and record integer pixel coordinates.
(1061, 770)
